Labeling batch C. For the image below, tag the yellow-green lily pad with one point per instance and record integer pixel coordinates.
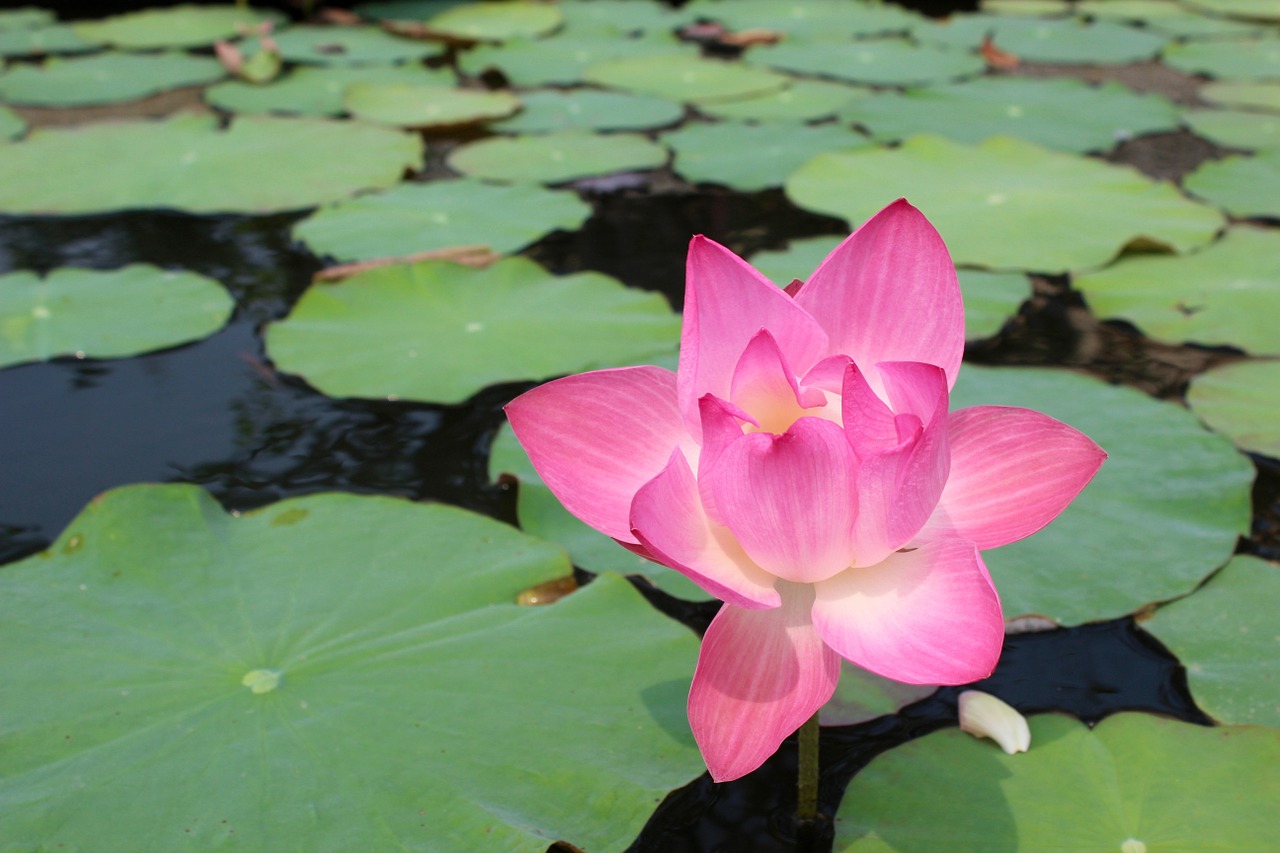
(1235, 128)
(406, 105)
(1242, 186)
(497, 21)
(317, 91)
(554, 158)
(175, 26)
(105, 78)
(1235, 59)
(1241, 401)
(563, 59)
(684, 78)
(1245, 96)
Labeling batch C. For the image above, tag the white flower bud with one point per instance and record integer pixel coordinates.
(983, 715)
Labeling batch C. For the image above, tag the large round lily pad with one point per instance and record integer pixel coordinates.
(105, 78)
(258, 164)
(331, 672)
(321, 45)
(880, 62)
(1242, 186)
(317, 90)
(1134, 783)
(1227, 635)
(497, 21)
(439, 332)
(1007, 203)
(406, 105)
(1164, 511)
(412, 218)
(1241, 401)
(589, 109)
(106, 314)
(681, 77)
(1235, 59)
(1227, 294)
(176, 26)
(554, 158)
(752, 157)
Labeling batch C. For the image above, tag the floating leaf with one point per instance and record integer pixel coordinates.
(862, 696)
(403, 10)
(1241, 401)
(563, 60)
(585, 16)
(175, 26)
(1007, 203)
(809, 19)
(1242, 186)
(497, 21)
(25, 17)
(38, 41)
(425, 106)
(1261, 96)
(320, 45)
(111, 314)
(11, 124)
(439, 332)
(105, 78)
(752, 157)
(1235, 128)
(413, 218)
(589, 109)
(802, 100)
(258, 164)
(553, 158)
(1259, 10)
(1062, 40)
(1064, 114)
(1163, 512)
(1226, 294)
(1134, 782)
(330, 672)
(1237, 59)
(1162, 16)
(317, 91)
(685, 78)
(879, 62)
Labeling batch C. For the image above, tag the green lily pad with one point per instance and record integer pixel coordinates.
(37, 41)
(1007, 203)
(685, 78)
(1257, 10)
(563, 60)
(640, 16)
(553, 158)
(332, 670)
(403, 10)
(1061, 40)
(1235, 128)
(1242, 186)
(25, 17)
(1030, 8)
(879, 62)
(589, 109)
(1227, 635)
(752, 157)
(1134, 782)
(1064, 114)
(413, 218)
(11, 124)
(1236, 59)
(105, 78)
(317, 90)
(1186, 489)
(1259, 96)
(802, 100)
(406, 105)
(175, 26)
(321, 45)
(439, 332)
(1227, 294)
(258, 164)
(497, 21)
(112, 314)
(1241, 401)
(1172, 19)
(861, 695)
(808, 19)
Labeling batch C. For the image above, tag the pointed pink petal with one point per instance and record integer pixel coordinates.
(726, 303)
(868, 420)
(789, 499)
(596, 438)
(668, 520)
(722, 425)
(927, 616)
(1012, 471)
(760, 675)
(889, 292)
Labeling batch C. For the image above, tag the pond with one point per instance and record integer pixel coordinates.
(1105, 181)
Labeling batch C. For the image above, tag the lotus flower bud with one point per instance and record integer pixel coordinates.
(983, 715)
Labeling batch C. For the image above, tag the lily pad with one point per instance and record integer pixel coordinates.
(1241, 401)
(25, 17)
(175, 26)
(403, 10)
(1235, 128)
(1257, 10)
(439, 332)
(553, 158)
(1172, 19)
(11, 124)
(105, 314)
(1135, 782)
(752, 157)
(1060, 40)
(497, 21)
(861, 695)
(1242, 186)
(37, 41)
(642, 16)
(1227, 294)
(317, 90)
(105, 78)
(589, 109)
(321, 45)
(258, 164)
(564, 59)
(1236, 59)
(412, 218)
(1260, 96)
(879, 62)
(685, 78)
(802, 100)
(407, 105)
(359, 658)
(1063, 114)
(1007, 203)
(808, 19)
(1185, 489)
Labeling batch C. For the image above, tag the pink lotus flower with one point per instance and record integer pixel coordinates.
(802, 466)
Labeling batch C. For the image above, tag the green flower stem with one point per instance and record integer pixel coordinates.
(807, 800)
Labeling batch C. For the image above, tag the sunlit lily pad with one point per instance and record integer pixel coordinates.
(320, 45)
(802, 100)
(1061, 40)
(1241, 401)
(821, 19)
(1235, 128)
(1236, 59)
(439, 332)
(1007, 203)
(1261, 96)
(589, 109)
(752, 157)
(331, 670)
(562, 60)
(407, 105)
(881, 62)
(105, 78)
(105, 314)
(1226, 294)
(1135, 782)
(497, 21)
(1064, 114)
(11, 124)
(1162, 16)
(1242, 186)
(681, 77)
(317, 90)
(258, 164)
(413, 218)
(175, 26)
(37, 41)
(553, 158)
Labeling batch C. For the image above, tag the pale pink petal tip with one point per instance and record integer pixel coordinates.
(983, 715)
